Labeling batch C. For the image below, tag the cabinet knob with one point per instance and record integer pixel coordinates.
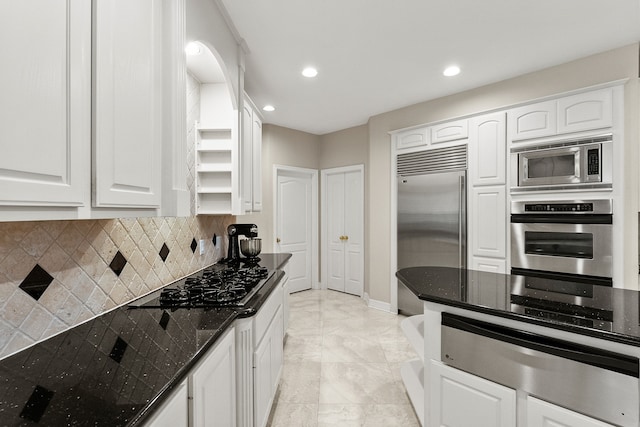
(277, 240)
(346, 237)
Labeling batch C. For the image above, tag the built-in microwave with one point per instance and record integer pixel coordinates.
(583, 163)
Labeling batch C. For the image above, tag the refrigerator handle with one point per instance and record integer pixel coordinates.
(462, 222)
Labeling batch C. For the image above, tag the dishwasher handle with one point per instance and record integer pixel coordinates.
(604, 359)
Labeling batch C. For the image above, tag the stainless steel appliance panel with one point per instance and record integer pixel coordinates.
(573, 237)
(582, 163)
(431, 226)
(590, 381)
(584, 249)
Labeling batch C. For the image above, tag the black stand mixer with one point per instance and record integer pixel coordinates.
(233, 231)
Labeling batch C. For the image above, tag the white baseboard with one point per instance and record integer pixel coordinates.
(378, 305)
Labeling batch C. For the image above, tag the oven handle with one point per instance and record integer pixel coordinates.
(562, 218)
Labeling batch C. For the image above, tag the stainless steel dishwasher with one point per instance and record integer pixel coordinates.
(588, 380)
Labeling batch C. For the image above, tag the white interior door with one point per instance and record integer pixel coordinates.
(335, 234)
(354, 233)
(295, 224)
(343, 225)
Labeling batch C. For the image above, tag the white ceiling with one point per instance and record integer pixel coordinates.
(375, 56)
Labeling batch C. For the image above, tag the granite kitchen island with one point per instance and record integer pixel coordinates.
(591, 331)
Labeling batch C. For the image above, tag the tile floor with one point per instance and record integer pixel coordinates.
(342, 365)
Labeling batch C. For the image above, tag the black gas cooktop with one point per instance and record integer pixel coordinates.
(231, 285)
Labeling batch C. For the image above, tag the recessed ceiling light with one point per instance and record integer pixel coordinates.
(309, 72)
(451, 71)
(269, 108)
(193, 48)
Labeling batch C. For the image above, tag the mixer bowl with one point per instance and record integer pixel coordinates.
(251, 247)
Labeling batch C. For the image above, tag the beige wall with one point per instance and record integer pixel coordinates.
(344, 148)
(617, 64)
(285, 147)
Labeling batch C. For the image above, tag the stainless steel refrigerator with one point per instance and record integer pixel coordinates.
(431, 218)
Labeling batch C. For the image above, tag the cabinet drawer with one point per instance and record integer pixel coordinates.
(266, 313)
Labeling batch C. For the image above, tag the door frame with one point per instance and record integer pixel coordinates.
(323, 226)
(282, 170)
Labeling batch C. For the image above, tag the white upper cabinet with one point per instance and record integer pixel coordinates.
(46, 102)
(251, 164)
(89, 110)
(426, 136)
(450, 131)
(532, 121)
(585, 111)
(127, 103)
(488, 150)
(576, 113)
(412, 138)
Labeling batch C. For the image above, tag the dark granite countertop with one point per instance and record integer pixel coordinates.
(116, 369)
(598, 311)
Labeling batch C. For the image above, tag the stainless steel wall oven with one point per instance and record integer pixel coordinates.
(563, 238)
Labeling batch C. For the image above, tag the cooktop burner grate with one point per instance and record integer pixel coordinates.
(215, 287)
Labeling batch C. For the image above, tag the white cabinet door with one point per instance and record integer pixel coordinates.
(213, 386)
(285, 305)
(532, 121)
(459, 399)
(412, 138)
(343, 198)
(487, 150)
(45, 82)
(246, 154)
(268, 361)
(489, 222)
(545, 414)
(127, 101)
(450, 131)
(174, 412)
(251, 162)
(585, 111)
(256, 170)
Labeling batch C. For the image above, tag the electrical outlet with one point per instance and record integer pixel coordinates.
(201, 246)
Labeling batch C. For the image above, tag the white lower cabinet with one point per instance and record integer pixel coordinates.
(545, 414)
(213, 386)
(459, 399)
(175, 411)
(268, 367)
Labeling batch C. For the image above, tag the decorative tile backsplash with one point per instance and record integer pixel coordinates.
(57, 274)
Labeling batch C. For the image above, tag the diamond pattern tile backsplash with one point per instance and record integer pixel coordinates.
(57, 274)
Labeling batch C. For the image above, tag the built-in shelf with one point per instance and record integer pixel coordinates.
(412, 373)
(216, 158)
(413, 328)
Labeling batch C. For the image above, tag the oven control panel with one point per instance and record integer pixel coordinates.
(559, 207)
(566, 207)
